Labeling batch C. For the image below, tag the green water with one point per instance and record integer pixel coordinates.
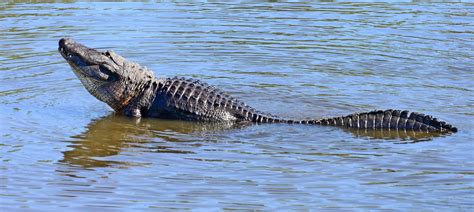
(62, 148)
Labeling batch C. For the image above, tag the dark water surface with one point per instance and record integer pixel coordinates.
(60, 147)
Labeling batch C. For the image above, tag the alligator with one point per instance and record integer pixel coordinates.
(133, 90)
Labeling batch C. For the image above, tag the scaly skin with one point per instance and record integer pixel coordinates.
(134, 91)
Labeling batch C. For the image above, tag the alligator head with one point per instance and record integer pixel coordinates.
(106, 75)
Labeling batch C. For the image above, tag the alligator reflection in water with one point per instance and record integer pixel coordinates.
(109, 135)
(407, 136)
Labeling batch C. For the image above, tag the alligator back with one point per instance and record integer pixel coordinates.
(190, 99)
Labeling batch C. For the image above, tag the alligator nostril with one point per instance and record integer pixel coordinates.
(64, 41)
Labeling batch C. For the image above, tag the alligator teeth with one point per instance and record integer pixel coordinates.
(65, 52)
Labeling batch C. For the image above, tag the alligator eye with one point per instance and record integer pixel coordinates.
(108, 75)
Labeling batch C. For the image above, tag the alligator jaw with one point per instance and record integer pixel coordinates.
(81, 58)
(95, 69)
(108, 76)
(69, 48)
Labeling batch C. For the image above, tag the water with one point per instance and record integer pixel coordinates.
(62, 148)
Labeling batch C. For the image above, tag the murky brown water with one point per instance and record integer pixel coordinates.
(61, 148)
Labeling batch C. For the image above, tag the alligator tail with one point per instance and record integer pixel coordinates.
(388, 119)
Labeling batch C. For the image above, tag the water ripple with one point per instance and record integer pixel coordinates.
(62, 148)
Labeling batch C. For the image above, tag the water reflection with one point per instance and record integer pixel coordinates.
(109, 135)
(408, 136)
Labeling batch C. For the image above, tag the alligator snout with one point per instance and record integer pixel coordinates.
(69, 48)
(64, 41)
(65, 44)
